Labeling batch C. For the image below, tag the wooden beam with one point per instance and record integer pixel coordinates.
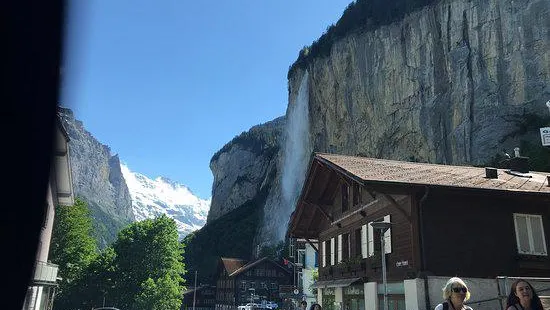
(397, 206)
(312, 245)
(363, 207)
(325, 214)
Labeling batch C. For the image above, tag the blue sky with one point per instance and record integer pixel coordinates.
(167, 83)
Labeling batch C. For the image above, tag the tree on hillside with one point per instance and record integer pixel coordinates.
(149, 265)
(72, 246)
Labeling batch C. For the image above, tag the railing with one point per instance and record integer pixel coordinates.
(45, 273)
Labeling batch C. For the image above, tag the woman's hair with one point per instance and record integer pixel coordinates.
(313, 306)
(447, 289)
(536, 304)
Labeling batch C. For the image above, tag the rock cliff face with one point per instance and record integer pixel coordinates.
(456, 82)
(448, 84)
(244, 166)
(98, 180)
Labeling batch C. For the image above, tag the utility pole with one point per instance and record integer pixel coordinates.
(383, 227)
(195, 291)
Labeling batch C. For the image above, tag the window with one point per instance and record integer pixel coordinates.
(345, 246)
(273, 285)
(291, 248)
(316, 260)
(357, 194)
(374, 243)
(530, 234)
(339, 248)
(345, 197)
(324, 254)
(301, 257)
(243, 286)
(357, 247)
(332, 248)
(300, 280)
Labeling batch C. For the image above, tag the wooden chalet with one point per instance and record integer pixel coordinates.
(240, 282)
(200, 298)
(470, 222)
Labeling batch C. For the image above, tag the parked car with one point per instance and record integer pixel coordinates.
(249, 306)
(271, 305)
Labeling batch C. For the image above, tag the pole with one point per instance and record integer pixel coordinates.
(195, 290)
(384, 271)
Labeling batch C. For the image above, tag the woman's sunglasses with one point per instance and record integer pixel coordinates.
(460, 289)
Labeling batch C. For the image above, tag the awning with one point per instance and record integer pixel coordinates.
(334, 283)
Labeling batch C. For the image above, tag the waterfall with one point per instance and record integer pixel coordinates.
(296, 152)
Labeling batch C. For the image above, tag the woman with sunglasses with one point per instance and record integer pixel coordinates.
(523, 297)
(455, 293)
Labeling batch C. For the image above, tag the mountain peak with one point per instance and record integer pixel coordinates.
(152, 198)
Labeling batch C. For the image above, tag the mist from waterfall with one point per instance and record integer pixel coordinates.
(296, 151)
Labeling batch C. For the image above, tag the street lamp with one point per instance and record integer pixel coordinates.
(252, 293)
(383, 227)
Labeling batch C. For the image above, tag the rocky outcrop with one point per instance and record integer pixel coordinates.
(244, 166)
(456, 82)
(98, 180)
(449, 84)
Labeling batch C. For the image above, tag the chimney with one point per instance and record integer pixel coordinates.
(491, 173)
(516, 151)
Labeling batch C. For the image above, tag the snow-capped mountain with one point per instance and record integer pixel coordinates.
(151, 198)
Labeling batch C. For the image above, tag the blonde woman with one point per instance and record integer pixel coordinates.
(455, 293)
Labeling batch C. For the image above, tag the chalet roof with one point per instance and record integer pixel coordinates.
(232, 264)
(254, 263)
(399, 172)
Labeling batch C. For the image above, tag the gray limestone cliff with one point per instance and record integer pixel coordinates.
(449, 84)
(97, 179)
(456, 82)
(244, 166)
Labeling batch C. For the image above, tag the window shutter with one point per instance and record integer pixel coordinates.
(332, 251)
(387, 236)
(364, 249)
(324, 257)
(339, 248)
(522, 234)
(370, 241)
(539, 246)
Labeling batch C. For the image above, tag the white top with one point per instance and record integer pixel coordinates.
(440, 307)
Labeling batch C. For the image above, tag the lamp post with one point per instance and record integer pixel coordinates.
(195, 290)
(383, 227)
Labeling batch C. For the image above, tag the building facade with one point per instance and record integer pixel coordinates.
(41, 291)
(445, 221)
(201, 298)
(241, 282)
(304, 256)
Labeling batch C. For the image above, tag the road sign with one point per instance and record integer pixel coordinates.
(545, 136)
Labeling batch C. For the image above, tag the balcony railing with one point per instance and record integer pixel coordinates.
(45, 273)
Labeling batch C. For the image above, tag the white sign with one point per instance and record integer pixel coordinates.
(402, 263)
(545, 136)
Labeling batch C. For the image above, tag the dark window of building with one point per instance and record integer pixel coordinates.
(358, 242)
(356, 194)
(345, 246)
(316, 259)
(345, 197)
